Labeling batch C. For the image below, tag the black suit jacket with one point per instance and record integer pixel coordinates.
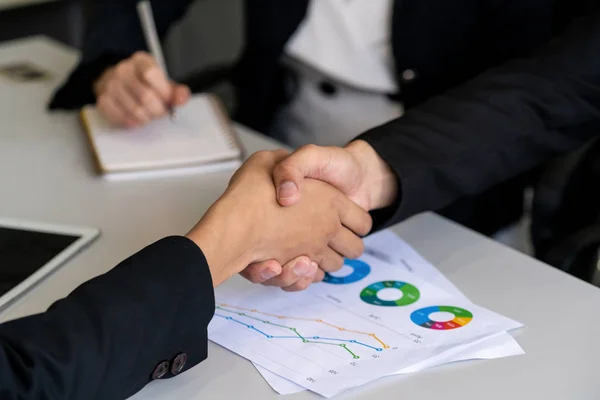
(444, 42)
(498, 125)
(107, 338)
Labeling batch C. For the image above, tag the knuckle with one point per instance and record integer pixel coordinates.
(330, 235)
(308, 148)
(139, 55)
(262, 155)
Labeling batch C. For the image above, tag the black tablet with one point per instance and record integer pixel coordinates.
(29, 251)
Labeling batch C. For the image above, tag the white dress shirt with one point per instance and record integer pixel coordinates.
(342, 58)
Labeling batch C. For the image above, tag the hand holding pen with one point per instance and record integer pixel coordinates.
(138, 89)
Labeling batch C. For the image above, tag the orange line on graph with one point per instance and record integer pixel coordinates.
(339, 328)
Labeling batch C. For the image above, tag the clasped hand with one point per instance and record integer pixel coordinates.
(304, 226)
(247, 226)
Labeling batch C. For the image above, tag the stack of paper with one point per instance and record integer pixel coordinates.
(389, 312)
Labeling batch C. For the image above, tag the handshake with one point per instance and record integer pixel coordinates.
(285, 220)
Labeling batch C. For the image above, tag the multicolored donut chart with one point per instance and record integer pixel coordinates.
(461, 317)
(410, 294)
(360, 269)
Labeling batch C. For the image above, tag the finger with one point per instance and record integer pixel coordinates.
(122, 87)
(298, 286)
(127, 101)
(354, 217)
(347, 244)
(319, 275)
(262, 272)
(181, 95)
(149, 71)
(147, 98)
(330, 261)
(298, 269)
(108, 107)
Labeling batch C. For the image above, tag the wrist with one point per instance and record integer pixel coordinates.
(225, 245)
(380, 182)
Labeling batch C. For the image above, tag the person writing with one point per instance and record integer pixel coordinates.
(147, 318)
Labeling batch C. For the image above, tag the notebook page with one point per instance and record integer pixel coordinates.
(195, 136)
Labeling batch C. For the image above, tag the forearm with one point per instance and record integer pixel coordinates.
(106, 338)
(500, 124)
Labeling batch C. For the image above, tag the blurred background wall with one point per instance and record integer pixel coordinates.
(210, 33)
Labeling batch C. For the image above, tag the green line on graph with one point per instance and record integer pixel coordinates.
(349, 351)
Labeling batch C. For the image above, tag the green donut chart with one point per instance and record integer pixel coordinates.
(461, 317)
(410, 294)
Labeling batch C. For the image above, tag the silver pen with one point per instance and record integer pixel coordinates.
(144, 9)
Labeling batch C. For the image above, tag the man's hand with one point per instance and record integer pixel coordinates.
(356, 170)
(247, 225)
(137, 91)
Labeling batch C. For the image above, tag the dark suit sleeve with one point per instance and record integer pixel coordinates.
(503, 122)
(105, 339)
(114, 33)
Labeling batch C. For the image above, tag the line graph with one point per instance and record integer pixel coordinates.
(339, 328)
(340, 342)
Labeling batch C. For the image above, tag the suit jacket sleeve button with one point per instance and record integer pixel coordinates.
(161, 370)
(327, 88)
(409, 75)
(178, 363)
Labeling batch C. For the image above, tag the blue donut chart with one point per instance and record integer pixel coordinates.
(360, 270)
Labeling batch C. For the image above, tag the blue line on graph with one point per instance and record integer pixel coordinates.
(294, 337)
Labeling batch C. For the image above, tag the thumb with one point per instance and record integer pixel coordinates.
(332, 165)
(289, 174)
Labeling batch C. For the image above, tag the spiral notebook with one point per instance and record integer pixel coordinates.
(200, 138)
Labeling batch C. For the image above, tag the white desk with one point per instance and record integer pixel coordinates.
(46, 174)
